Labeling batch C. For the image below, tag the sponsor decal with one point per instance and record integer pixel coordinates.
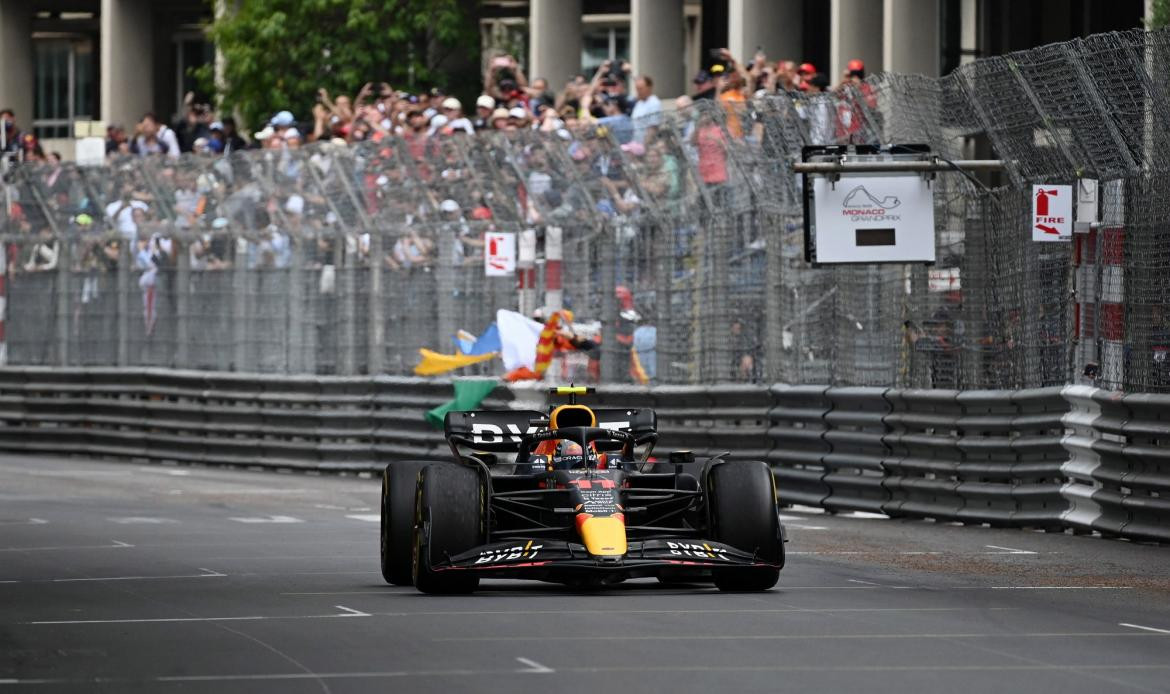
(483, 432)
(860, 205)
(507, 554)
(696, 549)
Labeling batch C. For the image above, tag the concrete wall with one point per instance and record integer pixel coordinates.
(127, 61)
(16, 60)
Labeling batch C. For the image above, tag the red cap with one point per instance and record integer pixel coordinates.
(856, 65)
(807, 67)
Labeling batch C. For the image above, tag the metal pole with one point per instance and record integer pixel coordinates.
(376, 330)
(240, 306)
(182, 302)
(346, 302)
(934, 165)
(125, 260)
(63, 313)
(296, 309)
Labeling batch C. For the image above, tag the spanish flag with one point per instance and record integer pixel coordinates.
(547, 343)
(434, 363)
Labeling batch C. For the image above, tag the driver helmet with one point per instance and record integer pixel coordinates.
(569, 454)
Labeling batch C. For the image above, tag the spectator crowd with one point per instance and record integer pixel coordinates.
(600, 145)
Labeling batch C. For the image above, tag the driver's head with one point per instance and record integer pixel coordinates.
(569, 454)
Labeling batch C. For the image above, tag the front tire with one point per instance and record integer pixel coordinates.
(450, 510)
(399, 483)
(742, 504)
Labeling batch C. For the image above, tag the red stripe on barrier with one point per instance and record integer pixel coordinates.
(552, 275)
(1113, 246)
(1113, 321)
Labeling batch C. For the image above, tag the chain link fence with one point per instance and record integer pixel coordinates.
(347, 259)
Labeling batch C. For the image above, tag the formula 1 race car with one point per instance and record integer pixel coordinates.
(576, 506)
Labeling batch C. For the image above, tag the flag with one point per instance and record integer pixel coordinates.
(489, 341)
(469, 393)
(547, 342)
(518, 337)
(521, 373)
(636, 370)
(434, 363)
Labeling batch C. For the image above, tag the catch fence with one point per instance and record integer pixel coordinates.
(681, 236)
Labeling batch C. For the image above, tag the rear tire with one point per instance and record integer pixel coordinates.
(449, 519)
(742, 503)
(399, 483)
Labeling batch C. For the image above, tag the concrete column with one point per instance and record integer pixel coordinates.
(127, 61)
(554, 40)
(774, 25)
(16, 60)
(656, 44)
(910, 37)
(855, 31)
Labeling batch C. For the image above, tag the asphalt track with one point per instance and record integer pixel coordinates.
(116, 577)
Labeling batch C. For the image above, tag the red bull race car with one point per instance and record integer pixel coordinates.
(571, 496)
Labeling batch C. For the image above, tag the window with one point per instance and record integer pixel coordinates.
(601, 43)
(64, 86)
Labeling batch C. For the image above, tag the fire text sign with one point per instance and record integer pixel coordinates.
(1052, 218)
(499, 258)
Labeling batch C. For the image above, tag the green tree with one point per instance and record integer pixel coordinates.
(277, 53)
(1159, 14)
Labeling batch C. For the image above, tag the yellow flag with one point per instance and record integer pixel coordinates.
(434, 363)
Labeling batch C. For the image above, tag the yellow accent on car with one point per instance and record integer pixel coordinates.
(572, 390)
(572, 416)
(604, 537)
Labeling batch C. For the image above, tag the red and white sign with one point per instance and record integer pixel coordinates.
(499, 258)
(1052, 213)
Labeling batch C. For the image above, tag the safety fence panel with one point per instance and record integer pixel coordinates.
(1056, 458)
(682, 239)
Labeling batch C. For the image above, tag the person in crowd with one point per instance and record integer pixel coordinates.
(9, 133)
(647, 111)
(484, 105)
(117, 143)
(153, 137)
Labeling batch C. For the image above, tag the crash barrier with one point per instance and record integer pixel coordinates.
(313, 423)
(1052, 458)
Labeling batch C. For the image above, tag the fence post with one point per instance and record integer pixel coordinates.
(346, 258)
(445, 286)
(125, 259)
(240, 306)
(376, 330)
(64, 260)
(296, 308)
(773, 232)
(182, 302)
(610, 348)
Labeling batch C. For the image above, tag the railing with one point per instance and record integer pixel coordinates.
(1054, 458)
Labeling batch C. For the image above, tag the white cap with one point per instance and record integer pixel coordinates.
(451, 102)
(295, 204)
(449, 205)
(266, 133)
(518, 112)
(485, 101)
(292, 134)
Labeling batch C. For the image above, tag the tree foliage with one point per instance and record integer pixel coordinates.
(277, 53)
(1159, 14)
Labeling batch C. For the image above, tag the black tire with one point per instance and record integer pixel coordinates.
(742, 503)
(399, 483)
(449, 519)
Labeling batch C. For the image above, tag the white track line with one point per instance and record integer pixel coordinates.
(370, 517)
(266, 519)
(533, 667)
(1007, 550)
(117, 544)
(1139, 626)
(167, 620)
(207, 573)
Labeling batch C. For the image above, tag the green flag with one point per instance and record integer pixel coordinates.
(469, 393)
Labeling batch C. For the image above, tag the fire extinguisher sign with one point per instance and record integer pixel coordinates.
(499, 258)
(1052, 213)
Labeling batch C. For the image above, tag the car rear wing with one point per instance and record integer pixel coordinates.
(502, 431)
